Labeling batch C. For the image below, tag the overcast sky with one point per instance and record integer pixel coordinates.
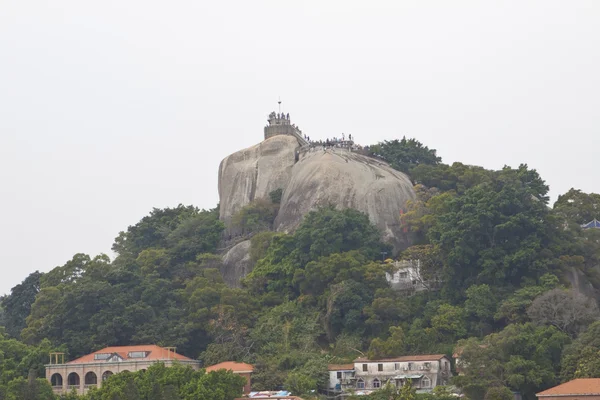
(110, 108)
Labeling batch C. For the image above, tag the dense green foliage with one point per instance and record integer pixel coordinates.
(173, 383)
(405, 154)
(493, 258)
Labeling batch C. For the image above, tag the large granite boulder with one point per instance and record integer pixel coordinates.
(236, 264)
(309, 179)
(347, 180)
(253, 173)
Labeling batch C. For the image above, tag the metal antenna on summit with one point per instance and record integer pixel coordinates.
(279, 102)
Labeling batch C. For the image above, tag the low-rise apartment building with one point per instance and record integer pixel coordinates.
(423, 371)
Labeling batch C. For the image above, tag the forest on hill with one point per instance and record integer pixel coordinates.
(499, 254)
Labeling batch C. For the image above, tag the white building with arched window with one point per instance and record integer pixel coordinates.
(93, 369)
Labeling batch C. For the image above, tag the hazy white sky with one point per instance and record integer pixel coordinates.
(110, 108)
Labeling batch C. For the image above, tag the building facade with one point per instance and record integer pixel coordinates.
(92, 369)
(423, 371)
(407, 276)
(341, 376)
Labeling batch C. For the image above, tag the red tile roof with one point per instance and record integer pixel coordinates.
(584, 386)
(155, 353)
(425, 357)
(231, 366)
(340, 367)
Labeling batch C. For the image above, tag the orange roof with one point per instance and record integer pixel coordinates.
(425, 357)
(340, 367)
(231, 366)
(584, 386)
(154, 353)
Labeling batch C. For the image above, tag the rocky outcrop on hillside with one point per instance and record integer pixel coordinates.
(309, 179)
(347, 180)
(253, 173)
(236, 264)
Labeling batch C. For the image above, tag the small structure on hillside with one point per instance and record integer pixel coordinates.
(237, 368)
(93, 369)
(271, 395)
(594, 224)
(406, 275)
(280, 124)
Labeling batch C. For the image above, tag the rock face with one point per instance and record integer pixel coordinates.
(309, 179)
(347, 180)
(253, 173)
(236, 264)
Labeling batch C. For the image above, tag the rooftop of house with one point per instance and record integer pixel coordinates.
(130, 353)
(592, 224)
(583, 386)
(231, 366)
(280, 395)
(340, 367)
(424, 357)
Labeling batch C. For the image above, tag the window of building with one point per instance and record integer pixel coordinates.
(403, 275)
(376, 383)
(379, 367)
(396, 366)
(425, 382)
(427, 365)
(410, 366)
(365, 368)
(137, 354)
(360, 384)
(339, 375)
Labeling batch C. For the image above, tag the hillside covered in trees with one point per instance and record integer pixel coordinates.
(501, 255)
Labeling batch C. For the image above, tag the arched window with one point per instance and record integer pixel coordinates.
(425, 382)
(360, 384)
(56, 380)
(376, 383)
(91, 378)
(125, 370)
(73, 379)
(106, 375)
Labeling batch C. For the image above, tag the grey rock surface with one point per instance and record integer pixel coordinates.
(580, 283)
(237, 264)
(253, 173)
(347, 180)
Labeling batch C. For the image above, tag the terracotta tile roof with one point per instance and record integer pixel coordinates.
(340, 367)
(424, 357)
(584, 386)
(231, 366)
(155, 353)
